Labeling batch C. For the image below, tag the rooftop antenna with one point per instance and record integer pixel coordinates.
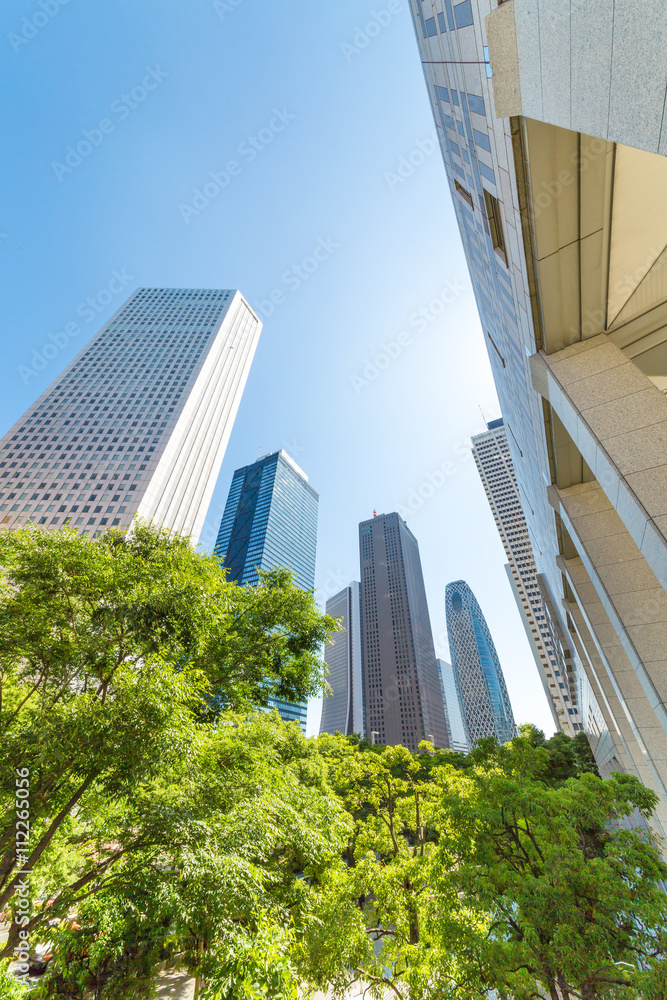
(375, 513)
(259, 452)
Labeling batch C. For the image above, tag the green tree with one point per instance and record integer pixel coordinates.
(115, 656)
(517, 870)
(10, 987)
(559, 893)
(368, 921)
(238, 833)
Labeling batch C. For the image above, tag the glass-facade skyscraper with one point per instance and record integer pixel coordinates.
(270, 520)
(402, 695)
(343, 709)
(479, 677)
(453, 713)
(138, 423)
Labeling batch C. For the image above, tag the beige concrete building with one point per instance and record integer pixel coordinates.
(551, 115)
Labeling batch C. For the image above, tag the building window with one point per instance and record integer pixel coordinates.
(464, 194)
(495, 225)
(463, 14)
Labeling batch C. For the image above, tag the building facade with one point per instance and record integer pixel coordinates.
(138, 423)
(553, 136)
(270, 520)
(453, 714)
(343, 709)
(402, 695)
(487, 710)
(494, 464)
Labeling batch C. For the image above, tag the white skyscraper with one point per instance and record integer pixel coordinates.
(494, 463)
(343, 709)
(138, 422)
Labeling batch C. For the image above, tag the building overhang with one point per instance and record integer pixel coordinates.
(594, 206)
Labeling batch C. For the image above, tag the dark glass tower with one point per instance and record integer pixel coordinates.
(270, 520)
(403, 699)
(479, 677)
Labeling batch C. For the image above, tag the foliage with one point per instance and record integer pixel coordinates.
(235, 835)
(10, 987)
(113, 955)
(252, 966)
(494, 874)
(565, 895)
(179, 824)
(117, 657)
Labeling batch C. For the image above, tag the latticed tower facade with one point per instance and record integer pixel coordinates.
(479, 677)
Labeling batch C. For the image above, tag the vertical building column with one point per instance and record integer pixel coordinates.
(617, 419)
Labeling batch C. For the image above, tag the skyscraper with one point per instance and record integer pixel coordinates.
(552, 131)
(403, 699)
(453, 713)
(343, 709)
(479, 677)
(138, 422)
(270, 520)
(494, 463)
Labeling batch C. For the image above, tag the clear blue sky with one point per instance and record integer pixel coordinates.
(316, 131)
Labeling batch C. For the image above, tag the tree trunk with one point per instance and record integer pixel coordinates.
(550, 984)
(564, 988)
(198, 979)
(8, 891)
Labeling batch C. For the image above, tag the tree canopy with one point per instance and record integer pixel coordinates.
(173, 819)
(117, 658)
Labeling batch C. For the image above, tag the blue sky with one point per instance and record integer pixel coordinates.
(222, 144)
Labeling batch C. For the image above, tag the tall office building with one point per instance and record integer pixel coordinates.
(270, 520)
(137, 424)
(479, 677)
(403, 700)
(552, 126)
(453, 713)
(343, 709)
(494, 463)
